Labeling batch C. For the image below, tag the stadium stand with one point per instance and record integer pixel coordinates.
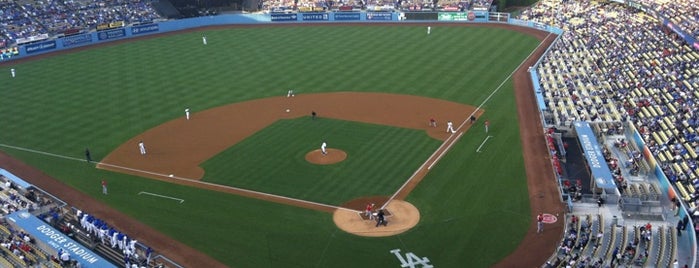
(41, 211)
(24, 21)
(617, 64)
(685, 14)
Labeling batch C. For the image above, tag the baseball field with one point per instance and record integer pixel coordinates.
(243, 180)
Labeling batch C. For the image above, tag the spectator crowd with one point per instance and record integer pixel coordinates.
(31, 18)
(18, 248)
(617, 63)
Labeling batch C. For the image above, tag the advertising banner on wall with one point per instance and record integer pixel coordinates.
(284, 17)
(315, 16)
(148, 28)
(593, 153)
(463, 16)
(379, 16)
(75, 40)
(347, 16)
(455, 16)
(38, 47)
(34, 38)
(111, 34)
(57, 240)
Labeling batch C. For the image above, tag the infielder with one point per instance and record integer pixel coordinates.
(450, 127)
(12, 71)
(203, 39)
(290, 93)
(323, 148)
(142, 147)
(186, 113)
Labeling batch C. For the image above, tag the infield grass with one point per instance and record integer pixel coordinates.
(380, 159)
(474, 206)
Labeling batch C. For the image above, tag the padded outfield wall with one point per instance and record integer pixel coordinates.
(86, 39)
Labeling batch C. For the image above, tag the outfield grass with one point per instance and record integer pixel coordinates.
(475, 206)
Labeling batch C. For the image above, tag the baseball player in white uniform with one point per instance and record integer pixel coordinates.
(12, 71)
(323, 148)
(450, 127)
(186, 113)
(142, 147)
(429, 29)
(203, 39)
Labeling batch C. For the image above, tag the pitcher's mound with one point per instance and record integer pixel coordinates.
(403, 216)
(333, 156)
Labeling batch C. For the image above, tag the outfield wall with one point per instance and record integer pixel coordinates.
(108, 35)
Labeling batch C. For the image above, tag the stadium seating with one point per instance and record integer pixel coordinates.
(22, 19)
(644, 72)
(614, 63)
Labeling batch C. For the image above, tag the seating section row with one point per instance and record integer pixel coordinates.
(590, 242)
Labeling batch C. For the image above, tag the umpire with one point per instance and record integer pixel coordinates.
(380, 219)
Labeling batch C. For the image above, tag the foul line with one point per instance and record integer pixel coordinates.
(229, 187)
(479, 147)
(42, 152)
(449, 141)
(444, 151)
(163, 196)
(182, 179)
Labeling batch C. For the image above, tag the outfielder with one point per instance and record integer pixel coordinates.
(12, 71)
(429, 29)
(203, 39)
(323, 148)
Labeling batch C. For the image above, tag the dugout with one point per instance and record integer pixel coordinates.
(601, 180)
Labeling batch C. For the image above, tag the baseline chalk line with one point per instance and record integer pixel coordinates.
(162, 196)
(482, 143)
(445, 151)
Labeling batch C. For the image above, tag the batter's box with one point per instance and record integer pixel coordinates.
(386, 214)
